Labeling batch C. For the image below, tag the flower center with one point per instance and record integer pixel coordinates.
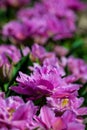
(64, 102)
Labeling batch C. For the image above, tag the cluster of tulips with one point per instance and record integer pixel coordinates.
(39, 89)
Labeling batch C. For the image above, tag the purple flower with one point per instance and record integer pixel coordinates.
(49, 25)
(40, 83)
(58, 7)
(75, 4)
(78, 68)
(25, 51)
(44, 20)
(45, 80)
(15, 114)
(70, 102)
(46, 58)
(2, 3)
(18, 3)
(47, 120)
(39, 52)
(60, 51)
(9, 56)
(9, 51)
(14, 3)
(15, 30)
(72, 121)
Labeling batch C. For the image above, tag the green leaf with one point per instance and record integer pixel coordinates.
(75, 46)
(78, 43)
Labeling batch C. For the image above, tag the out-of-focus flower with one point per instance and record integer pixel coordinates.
(46, 58)
(39, 52)
(60, 51)
(2, 3)
(49, 25)
(17, 3)
(15, 114)
(78, 68)
(25, 51)
(14, 3)
(9, 51)
(55, 19)
(58, 6)
(54, 61)
(9, 56)
(15, 30)
(75, 4)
